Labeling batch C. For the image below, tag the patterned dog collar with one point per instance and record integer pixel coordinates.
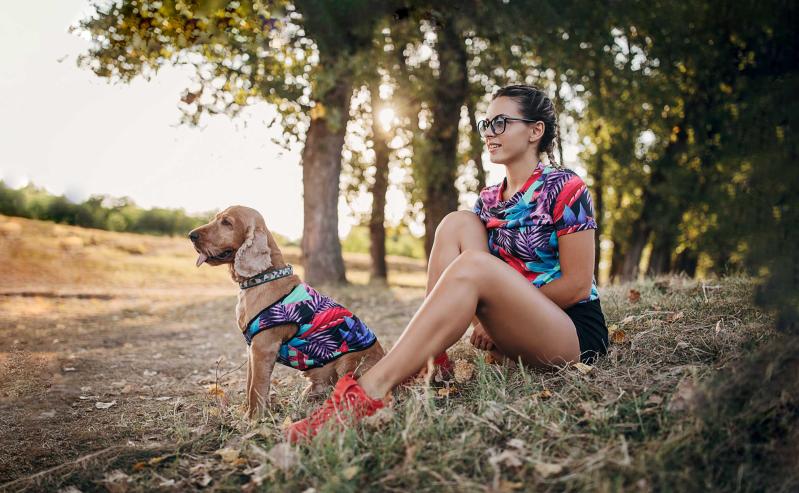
(266, 277)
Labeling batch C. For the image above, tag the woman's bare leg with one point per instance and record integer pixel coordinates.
(520, 319)
(458, 231)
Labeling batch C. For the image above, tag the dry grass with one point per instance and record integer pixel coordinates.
(171, 361)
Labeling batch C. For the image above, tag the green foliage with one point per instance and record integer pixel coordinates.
(99, 212)
(399, 241)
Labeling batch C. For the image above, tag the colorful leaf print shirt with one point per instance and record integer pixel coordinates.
(326, 330)
(524, 230)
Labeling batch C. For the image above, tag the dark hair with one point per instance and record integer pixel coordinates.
(534, 104)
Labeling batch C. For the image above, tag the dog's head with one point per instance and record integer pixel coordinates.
(236, 236)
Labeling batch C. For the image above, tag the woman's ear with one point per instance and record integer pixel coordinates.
(537, 131)
(254, 255)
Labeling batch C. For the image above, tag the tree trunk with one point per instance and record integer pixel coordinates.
(632, 257)
(449, 96)
(660, 260)
(476, 143)
(686, 262)
(321, 167)
(377, 228)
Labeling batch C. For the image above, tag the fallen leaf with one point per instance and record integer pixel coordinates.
(718, 327)
(507, 457)
(349, 472)
(150, 373)
(116, 481)
(447, 391)
(546, 470)
(463, 371)
(216, 390)
(104, 405)
(676, 316)
(545, 394)
(379, 419)
(228, 454)
(139, 465)
(683, 398)
(505, 486)
(616, 334)
(283, 456)
(628, 319)
(634, 296)
(70, 489)
(516, 443)
(583, 368)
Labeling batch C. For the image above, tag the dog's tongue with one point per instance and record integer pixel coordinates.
(202, 258)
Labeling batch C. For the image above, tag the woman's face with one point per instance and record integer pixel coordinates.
(518, 139)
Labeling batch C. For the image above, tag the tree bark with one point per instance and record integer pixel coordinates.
(449, 96)
(377, 228)
(321, 167)
(660, 260)
(632, 256)
(476, 143)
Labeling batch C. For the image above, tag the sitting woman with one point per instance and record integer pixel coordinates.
(520, 265)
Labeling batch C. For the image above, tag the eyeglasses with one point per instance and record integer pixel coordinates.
(498, 124)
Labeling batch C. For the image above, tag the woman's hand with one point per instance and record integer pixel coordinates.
(480, 338)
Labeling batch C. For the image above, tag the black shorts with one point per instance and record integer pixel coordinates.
(591, 329)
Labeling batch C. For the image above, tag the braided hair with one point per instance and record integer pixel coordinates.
(534, 104)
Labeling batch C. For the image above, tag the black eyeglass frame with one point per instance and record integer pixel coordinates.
(483, 125)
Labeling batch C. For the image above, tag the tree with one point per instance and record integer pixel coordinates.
(303, 57)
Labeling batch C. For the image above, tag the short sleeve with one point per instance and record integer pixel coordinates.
(478, 205)
(573, 210)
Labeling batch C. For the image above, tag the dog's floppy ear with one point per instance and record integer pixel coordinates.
(254, 255)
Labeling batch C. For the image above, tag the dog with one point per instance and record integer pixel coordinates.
(282, 318)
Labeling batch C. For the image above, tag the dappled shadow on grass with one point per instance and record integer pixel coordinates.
(494, 427)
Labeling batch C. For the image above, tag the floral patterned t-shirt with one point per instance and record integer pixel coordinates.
(524, 230)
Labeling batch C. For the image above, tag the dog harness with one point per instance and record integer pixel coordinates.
(326, 330)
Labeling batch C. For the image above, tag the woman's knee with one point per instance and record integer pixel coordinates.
(472, 266)
(463, 226)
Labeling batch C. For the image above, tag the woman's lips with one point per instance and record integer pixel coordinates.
(493, 147)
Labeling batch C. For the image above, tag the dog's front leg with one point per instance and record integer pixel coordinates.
(263, 354)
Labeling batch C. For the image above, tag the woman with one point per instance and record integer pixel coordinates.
(521, 264)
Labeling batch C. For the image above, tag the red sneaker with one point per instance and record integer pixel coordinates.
(347, 403)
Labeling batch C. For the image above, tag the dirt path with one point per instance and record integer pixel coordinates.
(82, 371)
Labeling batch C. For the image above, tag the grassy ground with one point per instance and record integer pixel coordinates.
(121, 370)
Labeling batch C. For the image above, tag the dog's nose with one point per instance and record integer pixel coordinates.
(193, 236)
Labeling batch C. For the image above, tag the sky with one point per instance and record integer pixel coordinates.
(73, 133)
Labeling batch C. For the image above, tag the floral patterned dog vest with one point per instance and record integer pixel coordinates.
(325, 329)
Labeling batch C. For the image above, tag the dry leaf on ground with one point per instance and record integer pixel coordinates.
(379, 419)
(683, 398)
(283, 456)
(583, 368)
(349, 472)
(228, 454)
(634, 296)
(104, 405)
(463, 371)
(546, 470)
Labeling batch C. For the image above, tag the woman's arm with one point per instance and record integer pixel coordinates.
(577, 265)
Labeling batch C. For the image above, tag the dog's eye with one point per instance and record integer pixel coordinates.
(226, 222)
